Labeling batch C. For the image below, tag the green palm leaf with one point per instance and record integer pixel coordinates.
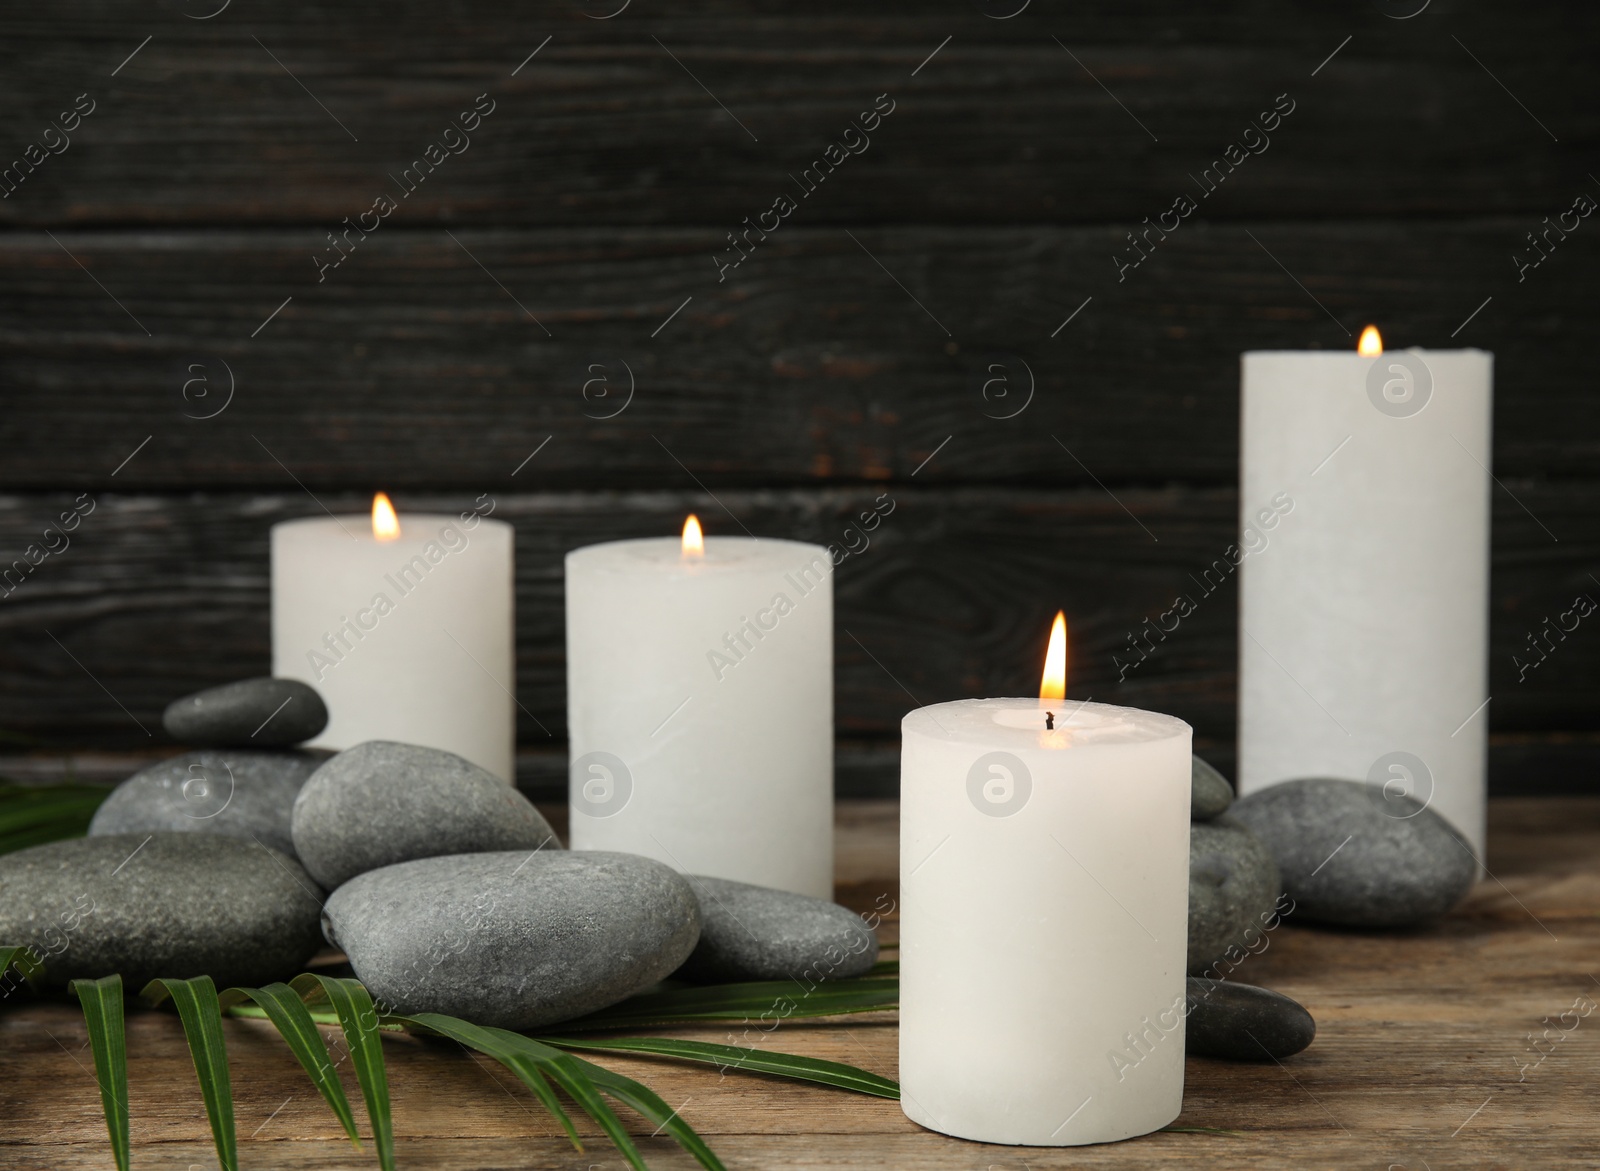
(32, 815)
(282, 1005)
(789, 1065)
(101, 1001)
(21, 958)
(648, 1103)
(768, 999)
(582, 1082)
(201, 1013)
(359, 1020)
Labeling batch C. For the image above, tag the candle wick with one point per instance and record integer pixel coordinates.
(1050, 721)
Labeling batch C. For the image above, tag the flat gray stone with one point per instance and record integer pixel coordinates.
(252, 713)
(750, 932)
(1209, 791)
(232, 791)
(514, 940)
(1237, 1022)
(1233, 892)
(160, 904)
(1353, 855)
(380, 803)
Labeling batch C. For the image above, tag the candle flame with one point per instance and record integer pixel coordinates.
(385, 524)
(1054, 683)
(1371, 343)
(694, 541)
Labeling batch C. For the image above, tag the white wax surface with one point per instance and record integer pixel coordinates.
(438, 668)
(700, 707)
(1044, 902)
(1364, 621)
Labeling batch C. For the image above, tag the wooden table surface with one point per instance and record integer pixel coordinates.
(1422, 1058)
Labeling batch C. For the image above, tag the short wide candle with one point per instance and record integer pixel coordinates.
(1044, 878)
(407, 639)
(700, 706)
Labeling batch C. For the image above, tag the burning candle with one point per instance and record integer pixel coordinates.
(405, 627)
(700, 705)
(1364, 604)
(1044, 879)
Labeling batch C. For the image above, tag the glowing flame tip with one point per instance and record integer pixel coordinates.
(1054, 683)
(385, 524)
(1371, 343)
(694, 541)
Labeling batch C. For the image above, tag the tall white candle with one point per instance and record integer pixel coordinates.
(408, 638)
(1363, 637)
(1044, 880)
(700, 706)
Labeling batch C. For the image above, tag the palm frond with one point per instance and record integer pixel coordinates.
(359, 1020)
(747, 1002)
(31, 815)
(583, 1081)
(283, 1006)
(201, 1013)
(726, 1057)
(22, 959)
(101, 1001)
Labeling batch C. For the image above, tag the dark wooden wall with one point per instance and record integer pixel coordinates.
(175, 239)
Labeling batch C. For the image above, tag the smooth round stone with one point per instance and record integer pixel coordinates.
(237, 792)
(1209, 791)
(514, 939)
(1352, 855)
(380, 803)
(1233, 889)
(252, 713)
(1237, 1022)
(160, 904)
(750, 932)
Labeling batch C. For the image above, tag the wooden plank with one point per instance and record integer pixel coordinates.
(410, 366)
(214, 120)
(159, 595)
(1421, 1041)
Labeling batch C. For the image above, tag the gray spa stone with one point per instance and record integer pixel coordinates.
(750, 932)
(514, 939)
(1237, 1022)
(160, 904)
(252, 713)
(1233, 890)
(1209, 791)
(1352, 855)
(238, 792)
(380, 803)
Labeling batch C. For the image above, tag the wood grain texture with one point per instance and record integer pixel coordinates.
(1421, 1040)
(160, 595)
(215, 119)
(823, 358)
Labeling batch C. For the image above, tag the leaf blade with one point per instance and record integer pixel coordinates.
(201, 1013)
(523, 1065)
(283, 1006)
(358, 1018)
(101, 1002)
(788, 1065)
(773, 999)
(648, 1103)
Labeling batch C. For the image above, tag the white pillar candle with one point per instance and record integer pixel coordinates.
(1363, 614)
(408, 637)
(1044, 894)
(700, 706)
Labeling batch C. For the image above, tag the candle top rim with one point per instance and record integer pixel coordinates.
(973, 721)
(1341, 353)
(720, 551)
(359, 525)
